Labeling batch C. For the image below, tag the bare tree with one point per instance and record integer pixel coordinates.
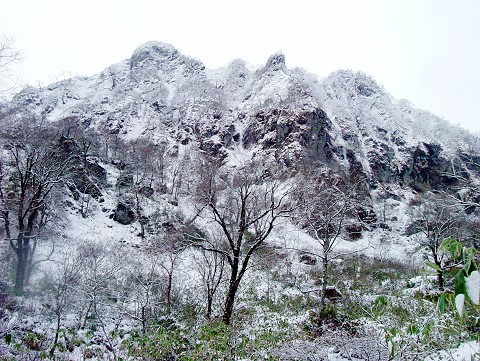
(142, 301)
(60, 290)
(100, 268)
(436, 217)
(159, 164)
(169, 265)
(144, 166)
(143, 175)
(211, 266)
(83, 146)
(29, 173)
(323, 203)
(245, 204)
(8, 57)
(178, 173)
(170, 249)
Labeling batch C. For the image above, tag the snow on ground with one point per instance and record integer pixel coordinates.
(468, 351)
(97, 227)
(239, 155)
(378, 244)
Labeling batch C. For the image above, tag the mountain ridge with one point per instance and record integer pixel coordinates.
(156, 178)
(166, 96)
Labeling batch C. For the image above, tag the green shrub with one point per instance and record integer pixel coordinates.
(35, 341)
(330, 318)
(159, 343)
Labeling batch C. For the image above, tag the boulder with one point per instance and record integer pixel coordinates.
(354, 231)
(124, 213)
(125, 180)
(308, 260)
(146, 191)
(96, 170)
(333, 294)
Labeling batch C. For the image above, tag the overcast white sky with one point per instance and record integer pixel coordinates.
(426, 51)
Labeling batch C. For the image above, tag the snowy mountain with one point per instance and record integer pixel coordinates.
(138, 139)
(344, 120)
(181, 112)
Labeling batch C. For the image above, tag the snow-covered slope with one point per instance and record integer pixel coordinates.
(345, 119)
(180, 111)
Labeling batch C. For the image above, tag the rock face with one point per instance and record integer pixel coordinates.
(124, 213)
(125, 180)
(428, 169)
(85, 176)
(276, 62)
(346, 121)
(291, 136)
(97, 171)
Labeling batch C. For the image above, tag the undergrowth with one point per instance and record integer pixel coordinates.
(378, 302)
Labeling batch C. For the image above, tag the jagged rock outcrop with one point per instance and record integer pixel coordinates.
(276, 62)
(345, 121)
(291, 136)
(84, 175)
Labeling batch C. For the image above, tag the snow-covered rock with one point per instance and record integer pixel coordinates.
(348, 119)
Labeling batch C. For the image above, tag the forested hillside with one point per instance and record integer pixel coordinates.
(160, 210)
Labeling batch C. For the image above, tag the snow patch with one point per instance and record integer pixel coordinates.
(473, 286)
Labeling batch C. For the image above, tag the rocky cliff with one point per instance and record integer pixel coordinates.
(345, 121)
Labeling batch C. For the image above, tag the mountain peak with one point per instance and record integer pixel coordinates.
(276, 62)
(153, 51)
(355, 82)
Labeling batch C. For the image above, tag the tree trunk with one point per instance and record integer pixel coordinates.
(30, 265)
(441, 282)
(57, 330)
(324, 282)
(144, 324)
(229, 302)
(23, 249)
(209, 306)
(138, 212)
(22, 263)
(232, 288)
(169, 290)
